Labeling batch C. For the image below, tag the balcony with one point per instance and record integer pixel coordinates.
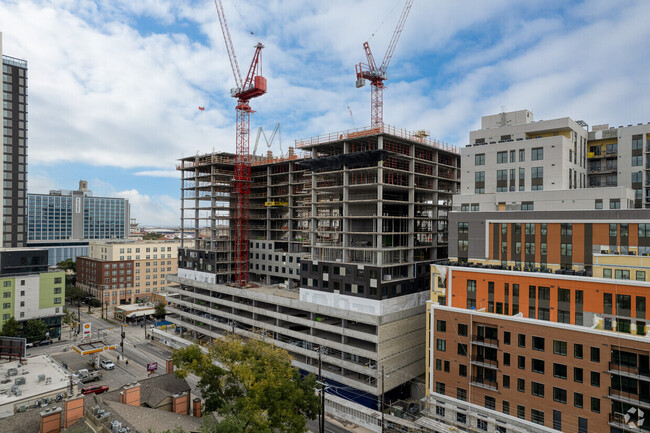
(629, 397)
(625, 370)
(631, 424)
(482, 382)
(486, 341)
(485, 362)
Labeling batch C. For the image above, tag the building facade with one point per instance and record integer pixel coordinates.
(525, 375)
(29, 290)
(547, 239)
(65, 222)
(511, 152)
(14, 145)
(127, 272)
(619, 157)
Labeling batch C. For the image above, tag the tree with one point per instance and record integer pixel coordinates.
(11, 328)
(67, 265)
(35, 330)
(159, 312)
(251, 385)
(152, 236)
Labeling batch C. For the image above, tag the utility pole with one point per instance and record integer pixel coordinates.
(122, 341)
(79, 316)
(382, 399)
(321, 418)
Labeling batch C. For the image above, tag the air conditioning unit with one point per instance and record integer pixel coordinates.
(20, 381)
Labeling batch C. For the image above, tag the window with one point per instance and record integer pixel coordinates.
(521, 412)
(479, 159)
(537, 173)
(462, 330)
(522, 155)
(599, 203)
(537, 153)
(595, 354)
(462, 370)
(577, 399)
(538, 343)
(595, 404)
(640, 275)
(614, 204)
(521, 362)
(479, 176)
(607, 273)
(506, 336)
(537, 389)
(461, 394)
(506, 381)
(538, 365)
(521, 385)
(566, 249)
(441, 326)
(441, 345)
(502, 157)
(440, 388)
(521, 340)
(559, 395)
(559, 347)
(506, 408)
(566, 229)
(637, 160)
(595, 378)
(462, 349)
(537, 416)
(490, 402)
(559, 370)
(506, 358)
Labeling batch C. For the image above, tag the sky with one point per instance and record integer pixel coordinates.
(115, 85)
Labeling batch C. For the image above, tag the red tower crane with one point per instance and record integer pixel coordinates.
(253, 86)
(377, 76)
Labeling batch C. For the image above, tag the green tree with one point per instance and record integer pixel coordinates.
(67, 264)
(11, 328)
(152, 236)
(159, 312)
(251, 385)
(35, 330)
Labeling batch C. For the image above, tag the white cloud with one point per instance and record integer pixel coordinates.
(160, 210)
(104, 91)
(159, 173)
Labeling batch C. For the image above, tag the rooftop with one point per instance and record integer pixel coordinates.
(12, 61)
(417, 136)
(42, 375)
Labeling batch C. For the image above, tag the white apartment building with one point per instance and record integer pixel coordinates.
(511, 152)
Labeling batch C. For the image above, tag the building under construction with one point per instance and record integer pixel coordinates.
(341, 238)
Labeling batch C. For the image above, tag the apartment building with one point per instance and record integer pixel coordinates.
(14, 145)
(512, 152)
(64, 222)
(547, 239)
(501, 373)
(127, 272)
(618, 156)
(29, 290)
(347, 229)
(602, 303)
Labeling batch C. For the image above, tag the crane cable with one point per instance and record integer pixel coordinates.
(372, 35)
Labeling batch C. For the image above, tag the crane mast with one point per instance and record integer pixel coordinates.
(252, 87)
(377, 76)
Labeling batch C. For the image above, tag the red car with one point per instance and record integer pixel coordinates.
(94, 389)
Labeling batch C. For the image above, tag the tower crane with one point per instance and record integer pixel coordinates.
(252, 86)
(377, 75)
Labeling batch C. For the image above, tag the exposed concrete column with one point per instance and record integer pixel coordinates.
(380, 208)
(313, 223)
(346, 208)
(411, 212)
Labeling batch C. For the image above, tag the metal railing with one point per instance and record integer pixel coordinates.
(361, 132)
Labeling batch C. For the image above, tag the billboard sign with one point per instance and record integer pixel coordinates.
(152, 366)
(12, 347)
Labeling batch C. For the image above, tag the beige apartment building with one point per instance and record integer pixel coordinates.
(127, 271)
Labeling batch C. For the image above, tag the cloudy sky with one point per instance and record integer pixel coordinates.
(115, 85)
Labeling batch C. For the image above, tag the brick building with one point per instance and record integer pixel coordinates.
(509, 373)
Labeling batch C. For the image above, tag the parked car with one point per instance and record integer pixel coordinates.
(94, 389)
(42, 343)
(107, 365)
(28, 345)
(85, 375)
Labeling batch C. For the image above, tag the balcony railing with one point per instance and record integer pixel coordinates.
(486, 341)
(484, 383)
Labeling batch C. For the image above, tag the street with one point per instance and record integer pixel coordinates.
(138, 351)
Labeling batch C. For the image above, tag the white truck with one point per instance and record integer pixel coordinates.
(84, 375)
